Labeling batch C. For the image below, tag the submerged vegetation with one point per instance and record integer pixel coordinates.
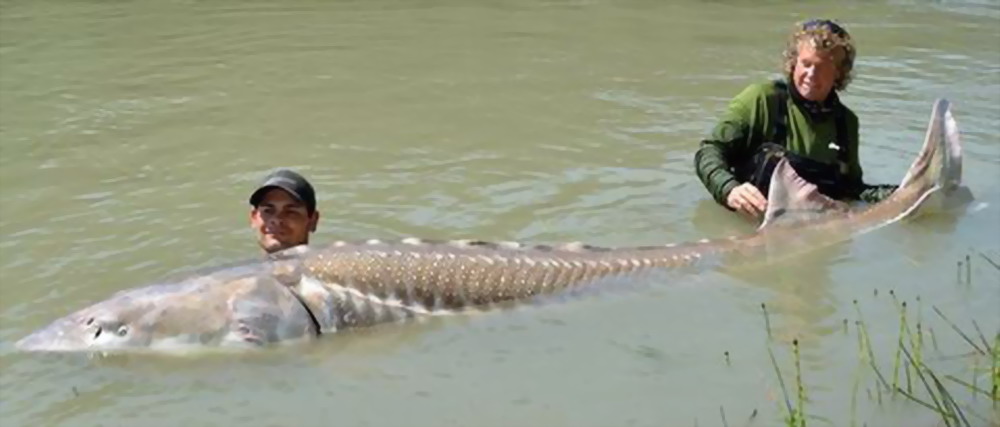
(916, 372)
(911, 377)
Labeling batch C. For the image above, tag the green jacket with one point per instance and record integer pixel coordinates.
(748, 123)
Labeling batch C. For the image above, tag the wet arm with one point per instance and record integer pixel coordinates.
(713, 170)
(712, 160)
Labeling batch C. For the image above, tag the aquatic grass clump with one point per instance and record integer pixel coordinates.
(938, 397)
(952, 398)
(918, 382)
(941, 399)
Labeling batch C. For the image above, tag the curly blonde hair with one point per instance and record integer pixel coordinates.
(825, 36)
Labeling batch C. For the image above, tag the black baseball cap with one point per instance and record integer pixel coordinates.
(290, 181)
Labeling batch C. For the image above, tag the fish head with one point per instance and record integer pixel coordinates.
(235, 307)
(113, 324)
(165, 315)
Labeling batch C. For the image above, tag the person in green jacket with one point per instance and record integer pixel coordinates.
(800, 118)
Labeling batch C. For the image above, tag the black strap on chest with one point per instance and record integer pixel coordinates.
(781, 116)
(781, 126)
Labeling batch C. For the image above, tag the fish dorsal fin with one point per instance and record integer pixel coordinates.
(792, 199)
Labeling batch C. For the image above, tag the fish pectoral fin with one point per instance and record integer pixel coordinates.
(243, 334)
(792, 199)
(246, 331)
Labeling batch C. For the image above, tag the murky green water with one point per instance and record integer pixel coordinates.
(131, 134)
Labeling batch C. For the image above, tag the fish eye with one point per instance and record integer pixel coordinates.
(98, 332)
(122, 330)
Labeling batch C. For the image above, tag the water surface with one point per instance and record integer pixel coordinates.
(131, 134)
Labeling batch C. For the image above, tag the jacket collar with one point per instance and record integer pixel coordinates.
(815, 109)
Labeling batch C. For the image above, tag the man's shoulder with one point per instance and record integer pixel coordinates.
(766, 88)
(849, 113)
(757, 91)
(852, 118)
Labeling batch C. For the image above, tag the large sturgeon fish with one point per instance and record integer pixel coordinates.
(303, 293)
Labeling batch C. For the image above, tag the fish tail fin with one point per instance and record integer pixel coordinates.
(937, 170)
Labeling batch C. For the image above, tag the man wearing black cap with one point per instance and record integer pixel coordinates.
(283, 211)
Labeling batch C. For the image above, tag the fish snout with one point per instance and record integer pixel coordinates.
(61, 335)
(58, 336)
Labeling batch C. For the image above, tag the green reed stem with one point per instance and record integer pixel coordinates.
(918, 345)
(921, 402)
(970, 411)
(800, 387)
(948, 400)
(968, 269)
(994, 264)
(863, 331)
(906, 368)
(767, 320)
(986, 344)
(972, 387)
(930, 391)
(862, 352)
(854, 394)
(899, 344)
(965, 337)
(995, 392)
(975, 376)
(781, 382)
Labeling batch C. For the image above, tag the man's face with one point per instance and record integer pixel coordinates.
(281, 221)
(815, 71)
